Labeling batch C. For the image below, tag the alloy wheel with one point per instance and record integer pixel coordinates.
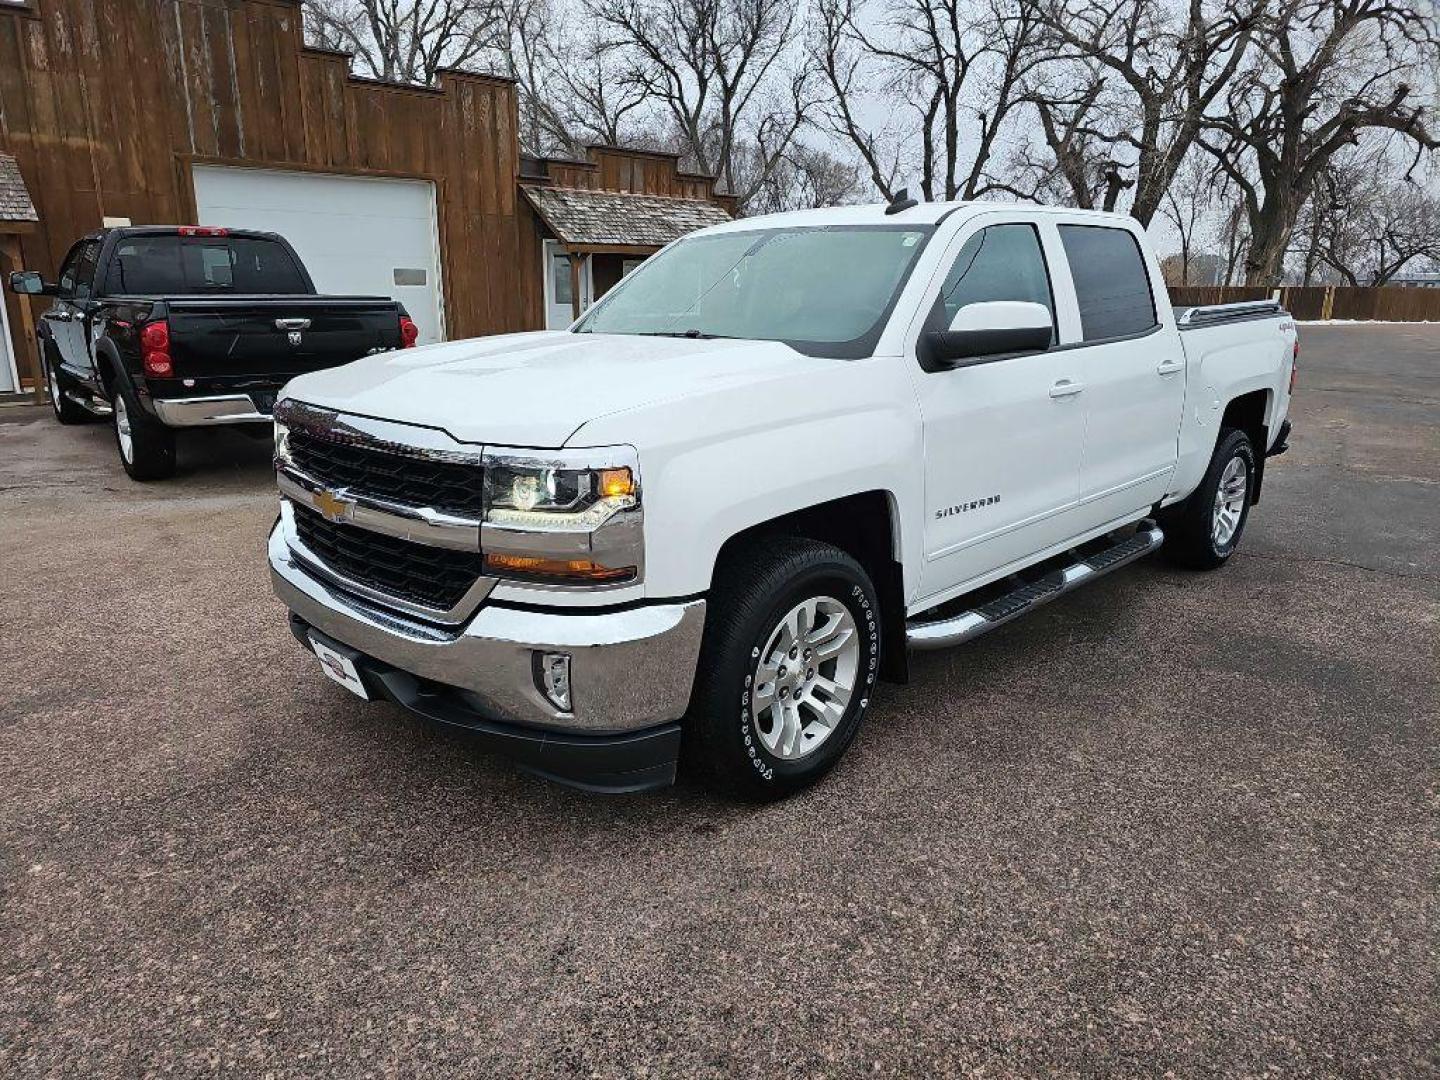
(804, 677)
(1229, 501)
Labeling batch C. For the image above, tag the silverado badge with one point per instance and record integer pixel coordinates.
(332, 507)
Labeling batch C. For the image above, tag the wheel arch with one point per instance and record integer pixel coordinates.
(866, 526)
(108, 366)
(1250, 413)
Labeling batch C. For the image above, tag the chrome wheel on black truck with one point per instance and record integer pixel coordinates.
(789, 661)
(66, 411)
(146, 447)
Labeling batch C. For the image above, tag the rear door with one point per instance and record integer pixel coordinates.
(1002, 438)
(1132, 367)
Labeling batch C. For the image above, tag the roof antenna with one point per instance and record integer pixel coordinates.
(901, 201)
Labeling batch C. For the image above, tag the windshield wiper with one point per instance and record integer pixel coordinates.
(696, 335)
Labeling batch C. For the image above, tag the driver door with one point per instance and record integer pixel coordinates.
(1003, 435)
(67, 320)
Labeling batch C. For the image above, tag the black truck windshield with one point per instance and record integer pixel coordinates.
(825, 291)
(182, 265)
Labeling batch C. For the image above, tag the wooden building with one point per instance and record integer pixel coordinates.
(215, 112)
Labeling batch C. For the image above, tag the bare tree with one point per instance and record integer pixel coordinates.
(727, 75)
(1328, 71)
(953, 67)
(1367, 222)
(571, 87)
(807, 177)
(1187, 203)
(1149, 70)
(1075, 162)
(408, 40)
(1233, 236)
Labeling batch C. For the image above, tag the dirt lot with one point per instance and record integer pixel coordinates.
(1173, 822)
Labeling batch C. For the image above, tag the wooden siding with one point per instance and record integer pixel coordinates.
(107, 103)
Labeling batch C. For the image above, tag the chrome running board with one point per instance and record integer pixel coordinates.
(942, 633)
(93, 405)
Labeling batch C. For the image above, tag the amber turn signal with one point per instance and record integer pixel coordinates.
(615, 483)
(576, 570)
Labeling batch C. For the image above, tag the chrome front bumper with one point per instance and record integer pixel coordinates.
(630, 669)
(205, 411)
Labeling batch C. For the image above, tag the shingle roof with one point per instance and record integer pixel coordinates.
(15, 204)
(583, 217)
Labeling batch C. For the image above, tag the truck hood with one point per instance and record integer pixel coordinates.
(537, 389)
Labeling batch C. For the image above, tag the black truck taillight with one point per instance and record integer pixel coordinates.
(155, 349)
(408, 332)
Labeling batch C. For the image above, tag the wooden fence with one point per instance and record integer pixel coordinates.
(1385, 304)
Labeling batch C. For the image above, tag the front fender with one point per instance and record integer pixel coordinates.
(715, 465)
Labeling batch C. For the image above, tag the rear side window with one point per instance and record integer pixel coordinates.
(203, 264)
(1001, 262)
(1111, 284)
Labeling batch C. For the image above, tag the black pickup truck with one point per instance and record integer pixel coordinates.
(174, 327)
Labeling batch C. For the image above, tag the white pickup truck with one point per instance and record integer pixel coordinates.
(704, 520)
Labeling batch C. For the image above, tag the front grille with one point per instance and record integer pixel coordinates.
(453, 487)
(434, 577)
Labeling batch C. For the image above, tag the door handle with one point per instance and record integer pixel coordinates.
(1171, 368)
(59, 316)
(1066, 388)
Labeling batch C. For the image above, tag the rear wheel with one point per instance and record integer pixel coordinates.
(147, 447)
(1203, 531)
(66, 411)
(790, 658)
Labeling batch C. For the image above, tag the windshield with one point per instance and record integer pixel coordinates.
(169, 263)
(824, 291)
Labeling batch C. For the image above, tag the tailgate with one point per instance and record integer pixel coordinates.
(276, 337)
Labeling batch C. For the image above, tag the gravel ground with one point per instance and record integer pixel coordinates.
(1172, 822)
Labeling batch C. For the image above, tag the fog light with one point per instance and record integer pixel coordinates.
(554, 678)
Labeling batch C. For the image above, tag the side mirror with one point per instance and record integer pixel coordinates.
(992, 329)
(30, 283)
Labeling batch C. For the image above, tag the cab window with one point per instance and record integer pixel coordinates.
(1000, 262)
(85, 270)
(1111, 285)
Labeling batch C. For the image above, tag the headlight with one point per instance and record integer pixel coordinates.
(563, 517)
(282, 444)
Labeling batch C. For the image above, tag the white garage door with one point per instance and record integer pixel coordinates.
(357, 235)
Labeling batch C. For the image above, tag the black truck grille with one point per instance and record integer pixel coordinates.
(432, 576)
(450, 486)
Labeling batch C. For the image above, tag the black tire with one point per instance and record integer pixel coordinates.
(1190, 539)
(66, 411)
(755, 588)
(152, 444)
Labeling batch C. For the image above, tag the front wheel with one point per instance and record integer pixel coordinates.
(66, 411)
(1203, 531)
(789, 661)
(146, 446)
